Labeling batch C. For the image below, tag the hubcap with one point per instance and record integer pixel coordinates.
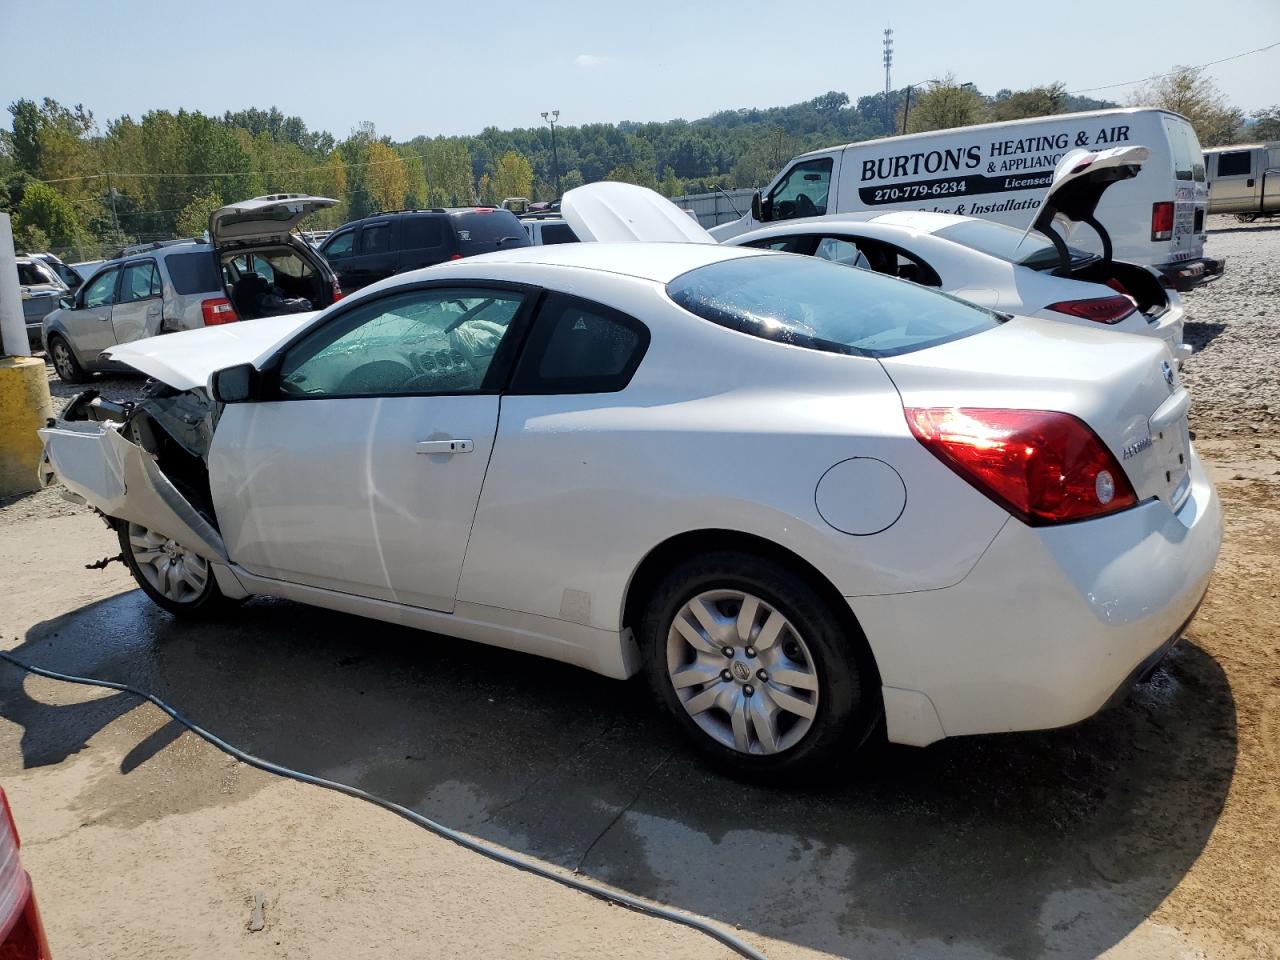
(61, 358)
(742, 671)
(170, 568)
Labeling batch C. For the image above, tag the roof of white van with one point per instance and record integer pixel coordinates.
(1115, 111)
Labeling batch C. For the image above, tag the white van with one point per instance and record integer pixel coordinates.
(1000, 171)
(1244, 180)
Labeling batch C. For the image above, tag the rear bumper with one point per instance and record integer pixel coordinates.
(1049, 626)
(1190, 274)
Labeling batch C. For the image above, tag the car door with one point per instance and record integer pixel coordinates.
(375, 257)
(360, 470)
(425, 240)
(1234, 186)
(339, 249)
(136, 312)
(89, 325)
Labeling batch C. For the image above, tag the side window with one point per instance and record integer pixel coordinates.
(141, 281)
(438, 340)
(102, 291)
(1273, 158)
(558, 233)
(340, 245)
(375, 238)
(1235, 164)
(420, 232)
(791, 244)
(802, 191)
(842, 251)
(580, 347)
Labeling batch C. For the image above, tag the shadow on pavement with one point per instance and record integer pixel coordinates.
(1013, 845)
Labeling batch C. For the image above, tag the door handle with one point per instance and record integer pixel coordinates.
(444, 446)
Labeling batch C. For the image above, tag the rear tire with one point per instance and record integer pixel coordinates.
(65, 362)
(172, 576)
(757, 670)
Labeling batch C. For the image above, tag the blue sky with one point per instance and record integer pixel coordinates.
(426, 67)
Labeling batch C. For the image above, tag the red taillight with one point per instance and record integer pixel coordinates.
(1041, 465)
(21, 931)
(455, 256)
(217, 310)
(1162, 220)
(337, 291)
(1097, 309)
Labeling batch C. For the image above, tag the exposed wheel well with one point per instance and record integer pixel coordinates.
(682, 546)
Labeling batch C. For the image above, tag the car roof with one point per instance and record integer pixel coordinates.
(657, 261)
(919, 221)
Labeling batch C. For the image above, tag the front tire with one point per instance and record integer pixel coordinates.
(65, 362)
(170, 574)
(757, 669)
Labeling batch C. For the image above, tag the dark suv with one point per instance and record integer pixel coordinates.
(368, 250)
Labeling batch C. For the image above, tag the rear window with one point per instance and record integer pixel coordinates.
(193, 272)
(1236, 164)
(491, 227)
(806, 302)
(34, 274)
(1008, 244)
(558, 233)
(1188, 160)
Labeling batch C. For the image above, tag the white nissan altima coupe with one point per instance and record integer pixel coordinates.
(797, 497)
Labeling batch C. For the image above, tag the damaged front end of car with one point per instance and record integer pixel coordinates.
(141, 461)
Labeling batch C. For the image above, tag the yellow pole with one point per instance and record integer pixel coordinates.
(24, 384)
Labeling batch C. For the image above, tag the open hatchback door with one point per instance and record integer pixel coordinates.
(263, 219)
(611, 212)
(1079, 181)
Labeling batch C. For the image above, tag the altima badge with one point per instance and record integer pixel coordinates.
(1135, 448)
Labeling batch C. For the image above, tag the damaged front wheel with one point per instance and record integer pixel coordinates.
(170, 574)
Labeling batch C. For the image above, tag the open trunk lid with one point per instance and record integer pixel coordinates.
(263, 219)
(1079, 181)
(616, 212)
(1125, 388)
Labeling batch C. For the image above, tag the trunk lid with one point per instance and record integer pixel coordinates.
(1124, 387)
(1079, 181)
(615, 212)
(263, 219)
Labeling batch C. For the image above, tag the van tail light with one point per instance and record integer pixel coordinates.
(1042, 466)
(455, 256)
(1162, 220)
(337, 291)
(1098, 309)
(217, 310)
(23, 931)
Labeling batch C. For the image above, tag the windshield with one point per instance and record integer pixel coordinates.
(1008, 244)
(812, 303)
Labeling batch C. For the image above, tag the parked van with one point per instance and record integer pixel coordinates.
(1000, 171)
(1244, 180)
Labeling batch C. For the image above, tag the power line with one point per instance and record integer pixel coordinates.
(1158, 76)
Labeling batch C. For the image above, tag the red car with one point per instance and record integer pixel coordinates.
(21, 932)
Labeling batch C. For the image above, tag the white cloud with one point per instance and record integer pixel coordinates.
(587, 60)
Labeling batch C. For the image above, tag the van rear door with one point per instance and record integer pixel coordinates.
(1190, 192)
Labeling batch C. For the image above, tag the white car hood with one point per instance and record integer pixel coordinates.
(612, 212)
(185, 360)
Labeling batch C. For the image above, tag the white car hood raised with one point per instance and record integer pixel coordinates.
(612, 212)
(185, 360)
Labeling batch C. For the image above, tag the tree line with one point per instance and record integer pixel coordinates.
(84, 190)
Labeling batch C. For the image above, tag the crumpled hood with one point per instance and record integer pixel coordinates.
(185, 360)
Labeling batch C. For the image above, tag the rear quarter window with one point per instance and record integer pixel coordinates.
(194, 272)
(811, 303)
(420, 232)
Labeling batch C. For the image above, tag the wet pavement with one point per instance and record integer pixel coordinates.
(1019, 845)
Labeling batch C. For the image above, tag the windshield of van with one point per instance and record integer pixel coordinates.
(1007, 243)
(1188, 159)
(806, 302)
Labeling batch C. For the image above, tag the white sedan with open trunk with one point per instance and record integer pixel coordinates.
(797, 497)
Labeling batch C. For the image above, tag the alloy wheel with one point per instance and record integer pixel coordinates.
(742, 671)
(170, 568)
(62, 360)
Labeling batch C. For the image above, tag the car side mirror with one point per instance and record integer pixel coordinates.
(67, 303)
(238, 384)
(757, 208)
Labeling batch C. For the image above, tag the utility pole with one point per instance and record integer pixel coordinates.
(112, 194)
(551, 118)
